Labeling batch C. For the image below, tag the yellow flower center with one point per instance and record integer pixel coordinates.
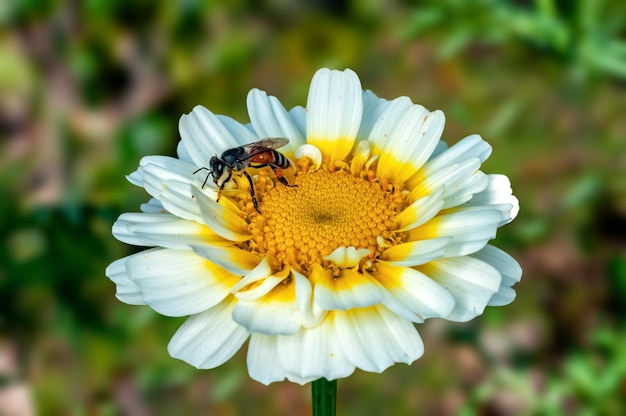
(300, 225)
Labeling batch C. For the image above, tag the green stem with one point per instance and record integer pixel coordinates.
(324, 395)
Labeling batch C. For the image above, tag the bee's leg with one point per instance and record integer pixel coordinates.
(254, 201)
(279, 175)
(219, 192)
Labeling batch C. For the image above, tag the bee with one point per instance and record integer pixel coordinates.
(256, 155)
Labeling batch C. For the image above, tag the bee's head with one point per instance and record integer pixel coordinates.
(216, 167)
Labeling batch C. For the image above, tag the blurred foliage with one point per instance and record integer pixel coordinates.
(88, 88)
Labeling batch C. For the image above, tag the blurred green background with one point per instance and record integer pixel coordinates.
(89, 87)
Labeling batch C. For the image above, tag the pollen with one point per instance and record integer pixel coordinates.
(300, 225)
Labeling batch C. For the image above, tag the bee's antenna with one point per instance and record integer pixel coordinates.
(207, 176)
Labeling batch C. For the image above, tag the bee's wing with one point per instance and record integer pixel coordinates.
(254, 148)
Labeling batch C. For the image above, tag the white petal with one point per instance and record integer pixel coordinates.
(439, 149)
(412, 294)
(263, 360)
(174, 194)
(459, 182)
(312, 152)
(221, 219)
(298, 115)
(304, 299)
(347, 257)
(183, 153)
(260, 290)
(153, 206)
(210, 338)
(351, 289)
(374, 338)
(177, 199)
(178, 282)
(470, 228)
(414, 253)
(360, 156)
(122, 233)
(313, 353)
(467, 148)
(126, 290)
(385, 117)
(233, 259)
(509, 269)
(270, 119)
(273, 313)
(420, 211)
(163, 230)
(472, 282)
(204, 135)
(334, 109)
(498, 193)
(169, 167)
(260, 272)
(136, 178)
(373, 109)
(243, 133)
(410, 143)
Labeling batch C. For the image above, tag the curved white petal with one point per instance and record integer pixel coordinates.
(498, 193)
(313, 353)
(126, 290)
(263, 360)
(270, 119)
(509, 269)
(304, 299)
(410, 143)
(420, 211)
(351, 289)
(312, 152)
(166, 230)
(178, 282)
(413, 294)
(155, 171)
(273, 313)
(136, 177)
(204, 135)
(221, 219)
(210, 338)
(459, 182)
(153, 206)
(374, 338)
(260, 272)
(174, 194)
(472, 282)
(122, 232)
(233, 259)
(384, 117)
(414, 253)
(347, 257)
(360, 157)
(467, 148)
(334, 109)
(470, 228)
(170, 167)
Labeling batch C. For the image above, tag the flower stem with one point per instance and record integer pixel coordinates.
(324, 395)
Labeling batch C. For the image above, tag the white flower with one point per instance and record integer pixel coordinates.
(385, 227)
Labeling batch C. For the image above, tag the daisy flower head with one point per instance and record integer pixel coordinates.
(320, 235)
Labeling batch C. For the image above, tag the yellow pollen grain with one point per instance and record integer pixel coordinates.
(300, 225)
